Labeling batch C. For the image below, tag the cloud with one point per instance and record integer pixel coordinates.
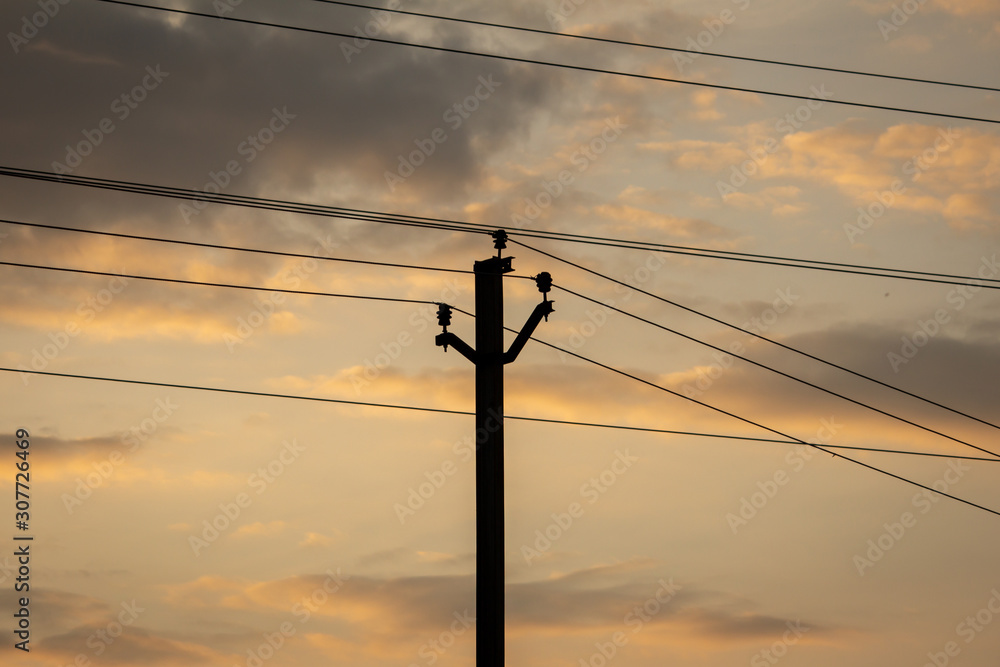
(410, 610)
(315, 540)
(259, 529)
(67, 625)
(381, 118)
(135, 645)
(962, 8)
(948, 172)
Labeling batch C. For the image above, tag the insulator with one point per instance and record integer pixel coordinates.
(444, 315)
(544, 282)
(499, 239)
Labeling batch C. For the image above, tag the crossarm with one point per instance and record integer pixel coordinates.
(541, 310)
(448, 338)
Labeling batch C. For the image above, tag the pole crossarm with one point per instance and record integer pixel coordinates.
(452, 339)
(448, 338)
(543, 309)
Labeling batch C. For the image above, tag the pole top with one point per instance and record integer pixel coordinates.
(493, 265)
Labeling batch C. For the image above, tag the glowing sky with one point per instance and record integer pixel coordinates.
(344, 535)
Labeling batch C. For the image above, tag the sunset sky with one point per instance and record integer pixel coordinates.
(345, 534)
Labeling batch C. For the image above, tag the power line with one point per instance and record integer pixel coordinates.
(208, 284)
(217, 246)
(400, 300)
(242, 392)
(643, 429)
(742, 330)
(816, 265)
(745, 420)
(466, 413)
(244, 201)
(545, 63)
(476, 228)
(776, 371)
(658, 47)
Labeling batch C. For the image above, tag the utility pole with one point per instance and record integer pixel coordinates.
(489, 359)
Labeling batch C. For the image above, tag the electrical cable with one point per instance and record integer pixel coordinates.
(761, 426)
(783, 374)
(658, 47)
(545, 63)
(416, 301)
(742, 330)
(468, 227)
(217, 246)
(466, 413)
(210, 284)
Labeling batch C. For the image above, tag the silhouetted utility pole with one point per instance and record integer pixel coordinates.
(489, 359)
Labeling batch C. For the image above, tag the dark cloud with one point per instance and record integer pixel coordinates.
(221, 82)
(69, 449)
(56, 611)
(611, 596)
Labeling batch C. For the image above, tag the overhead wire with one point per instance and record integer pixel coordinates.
(742, 330)
(546, 63)
(219, 246)
(466, 413)
(203, 283)
(789, 439)
(722, 436)
(199, 196)
(751, 422)
(477, 228)
(418, 301)
(657, 47)
(783, 374)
